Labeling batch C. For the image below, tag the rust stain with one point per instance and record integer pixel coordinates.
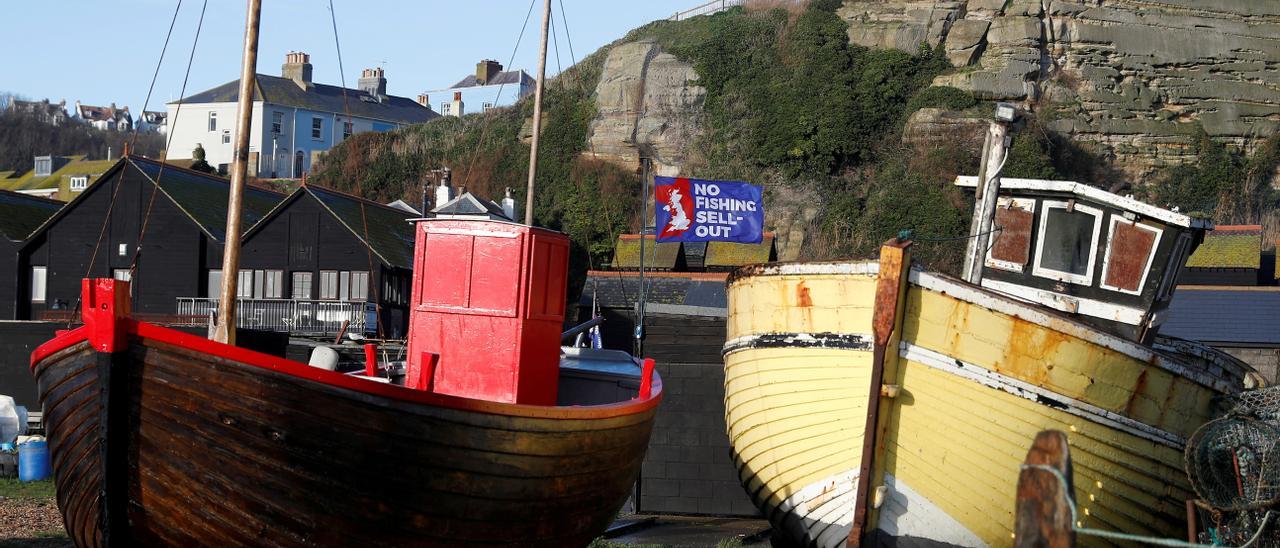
(1130, 247)
(1031, 349)
(1013, 242)
(802, 295)
(1138, 388)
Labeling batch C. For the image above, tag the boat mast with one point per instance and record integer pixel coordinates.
(537, 113)
(225, 331)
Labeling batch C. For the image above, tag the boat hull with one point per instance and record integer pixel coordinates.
(979, 376)
(174, 440)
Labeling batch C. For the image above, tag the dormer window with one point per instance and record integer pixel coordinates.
(44, 166)
(79, 183)
(1067, 246)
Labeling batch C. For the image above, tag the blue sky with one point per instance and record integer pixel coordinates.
(100, 51)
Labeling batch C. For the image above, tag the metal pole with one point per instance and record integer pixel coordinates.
(537, 113)
(976, 220)
(987, 195)
(226, 328)
(644, 224)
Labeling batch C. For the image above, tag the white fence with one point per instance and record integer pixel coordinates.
(708, 8)
(308, 317)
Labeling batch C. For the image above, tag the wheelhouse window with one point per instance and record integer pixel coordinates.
(39, 279)
(1130, 249)
(1011, 244)
(301, 285)
(1067, 244)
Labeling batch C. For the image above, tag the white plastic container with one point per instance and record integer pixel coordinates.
(13, 419)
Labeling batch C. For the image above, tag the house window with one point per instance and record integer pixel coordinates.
(213, 121)
(1011, 246)
(39, 277)
(444, 108)
(1130, 249)
(317, 128)
(277, 122)
(226, 136)
(79, 183)
(360, 286)
(297, 164)
(122, 274)
(484, 107)
(1066, 249)
(215, 283)
(302, 285)
(274, 284)
(244, 284)
(347, 129)
(329, 284)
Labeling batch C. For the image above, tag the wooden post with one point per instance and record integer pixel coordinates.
(225, 331)
(891, 285)
(984, 207)
(1044, 503)
(537, 113)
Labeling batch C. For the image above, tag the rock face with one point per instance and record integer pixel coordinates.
(647, 105)
(1129, 75)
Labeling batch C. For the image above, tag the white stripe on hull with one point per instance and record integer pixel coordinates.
(906, 513)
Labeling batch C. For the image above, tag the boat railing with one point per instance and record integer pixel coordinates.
(301, 316)
(714, 6)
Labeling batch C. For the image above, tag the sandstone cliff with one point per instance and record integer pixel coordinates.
(1129, 75)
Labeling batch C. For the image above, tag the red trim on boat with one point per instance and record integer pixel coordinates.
(301, 370)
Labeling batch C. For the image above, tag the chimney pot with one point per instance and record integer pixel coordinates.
(374, 82)
(486, 70)
(424, 100)
(297, 67)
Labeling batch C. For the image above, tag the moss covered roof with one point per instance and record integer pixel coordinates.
(76, 166)
(21, 214)
(386, 230)
(731, 254)
(626, 253)
(1233, 248)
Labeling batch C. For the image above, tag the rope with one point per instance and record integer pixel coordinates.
(368, 247)
(484, 127)
(567, 38)
(1157, 541)
(177, 111)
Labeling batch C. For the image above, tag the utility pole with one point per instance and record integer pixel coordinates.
(537, 113)
(994, 151)
(225, 331)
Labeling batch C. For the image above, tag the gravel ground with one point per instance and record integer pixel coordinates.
(31, 522)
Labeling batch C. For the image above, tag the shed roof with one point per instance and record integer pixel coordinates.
(621, 289)
(730, 254)
(1225, 317)
(320, 97)
(626, 254)
(389, 232)
(1237, 246)
(21, 214)
(200, 196)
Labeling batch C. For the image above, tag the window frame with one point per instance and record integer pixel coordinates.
(273, 284)
(1106, 257)
(226, 136)
(348, 129)
(1048, 273)
(317, 128)
(40, 296)
(79, 183)
(244, 283)
(1029, 204)
(277, 122)
(305, 276)
(213, 121)
(361, 288)
(329, 280)
(213, 279)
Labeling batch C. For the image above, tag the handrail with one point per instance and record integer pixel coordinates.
(582, 327)
(714, 6)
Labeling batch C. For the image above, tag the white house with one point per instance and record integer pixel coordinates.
(480, 91)
(294, 119)
(152, 120)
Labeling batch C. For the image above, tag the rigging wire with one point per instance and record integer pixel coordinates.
(484, 127)
(567, 38)
(555, 41)
(364, 221)
(177, 111)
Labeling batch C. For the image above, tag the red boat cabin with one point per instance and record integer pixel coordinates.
(488, 305)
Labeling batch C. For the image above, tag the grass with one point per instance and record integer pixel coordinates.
(14, 489)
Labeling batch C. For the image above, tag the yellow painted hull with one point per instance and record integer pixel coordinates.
(980, 375)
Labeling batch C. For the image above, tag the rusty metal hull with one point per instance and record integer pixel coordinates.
(174, 440)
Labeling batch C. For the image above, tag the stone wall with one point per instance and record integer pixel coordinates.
(1129, 75)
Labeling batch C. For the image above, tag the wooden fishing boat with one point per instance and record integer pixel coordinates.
(160, 438)
(867, 400)
(498, 437)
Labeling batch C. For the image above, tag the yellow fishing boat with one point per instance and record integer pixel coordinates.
(866, 400)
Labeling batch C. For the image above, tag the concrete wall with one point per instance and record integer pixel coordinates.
(1265, 360)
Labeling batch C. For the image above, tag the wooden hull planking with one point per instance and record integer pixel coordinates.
(209, 450)
(980, 375)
